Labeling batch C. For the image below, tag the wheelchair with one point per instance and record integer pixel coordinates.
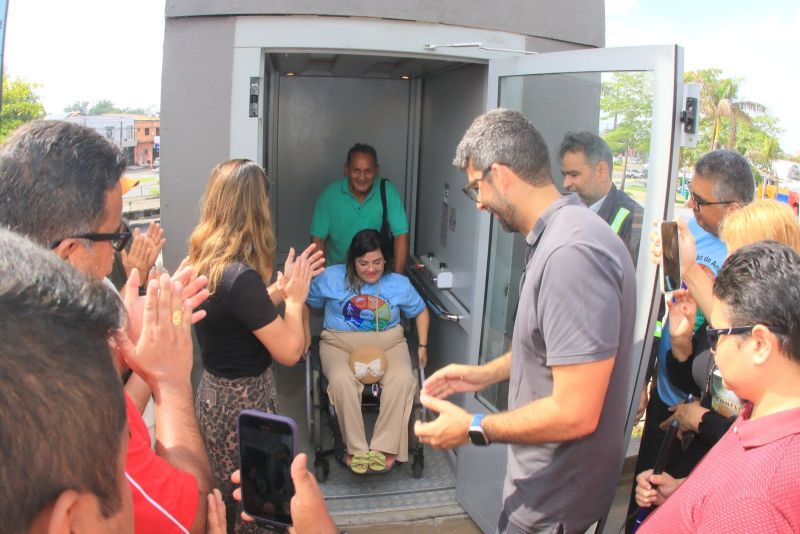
(318, 406)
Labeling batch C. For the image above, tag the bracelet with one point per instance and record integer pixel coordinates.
(423, 346)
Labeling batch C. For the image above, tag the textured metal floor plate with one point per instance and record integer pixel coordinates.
(348, 493)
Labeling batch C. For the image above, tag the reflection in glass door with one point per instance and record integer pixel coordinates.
(618, 107)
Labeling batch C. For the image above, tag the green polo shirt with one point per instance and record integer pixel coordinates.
(339, 216)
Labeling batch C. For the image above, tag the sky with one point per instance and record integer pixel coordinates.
(757, 42)
(111, 49)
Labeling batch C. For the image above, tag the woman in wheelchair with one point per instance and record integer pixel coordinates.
(362, 302)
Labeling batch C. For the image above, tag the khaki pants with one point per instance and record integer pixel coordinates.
(344, 390)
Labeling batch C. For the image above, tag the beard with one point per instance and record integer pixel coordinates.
(506, 215)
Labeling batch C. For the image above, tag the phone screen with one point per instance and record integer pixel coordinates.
(670, 257)
(266, 450)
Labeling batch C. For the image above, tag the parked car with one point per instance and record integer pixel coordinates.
(635, 173)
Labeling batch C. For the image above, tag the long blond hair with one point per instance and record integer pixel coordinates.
(235, 223)
(762, 220)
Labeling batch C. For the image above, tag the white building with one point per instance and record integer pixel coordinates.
(118, 129)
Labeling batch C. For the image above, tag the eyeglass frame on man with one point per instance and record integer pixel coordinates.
(471, 189)
(699, 202)
(117, 240)
(715, 333)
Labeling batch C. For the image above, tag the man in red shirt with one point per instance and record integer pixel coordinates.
(749, 481)
(60, 186)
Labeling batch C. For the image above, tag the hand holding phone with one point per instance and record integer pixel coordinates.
(670, 257)
(267, 446)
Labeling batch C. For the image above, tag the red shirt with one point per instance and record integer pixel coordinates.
(749, 482)
(165, 499)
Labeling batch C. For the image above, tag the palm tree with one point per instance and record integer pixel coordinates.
(719, 99)
(761, 157)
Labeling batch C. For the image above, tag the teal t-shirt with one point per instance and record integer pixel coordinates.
(348, 311)
(339, 216)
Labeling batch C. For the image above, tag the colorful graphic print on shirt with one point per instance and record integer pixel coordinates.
(362, 311)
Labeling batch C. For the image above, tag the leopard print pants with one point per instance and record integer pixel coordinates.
(218, 403)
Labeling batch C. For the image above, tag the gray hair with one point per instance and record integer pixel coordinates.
(54, 177)
(731, 174)
(593, 147)
(508, 138)
(56, 372)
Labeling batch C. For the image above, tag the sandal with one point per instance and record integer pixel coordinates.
(360, 463)
(377, 462)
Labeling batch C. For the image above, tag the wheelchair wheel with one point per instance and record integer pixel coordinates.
(416, 467)
(322, 469)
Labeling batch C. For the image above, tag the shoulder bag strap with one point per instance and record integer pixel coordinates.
(385, 221)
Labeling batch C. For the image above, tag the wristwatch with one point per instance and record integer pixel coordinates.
(476, 434)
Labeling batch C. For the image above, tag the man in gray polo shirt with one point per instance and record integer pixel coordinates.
(571, 355)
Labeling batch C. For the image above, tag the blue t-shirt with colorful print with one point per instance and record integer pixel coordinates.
(350, 311)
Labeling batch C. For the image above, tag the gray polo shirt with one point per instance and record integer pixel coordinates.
(577, 305)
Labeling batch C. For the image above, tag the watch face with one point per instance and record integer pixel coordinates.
(477, 438)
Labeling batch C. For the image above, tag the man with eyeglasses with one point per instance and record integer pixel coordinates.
(587, 166)
(722, 182)
(570, 362)
(60, 187)
(750, 480)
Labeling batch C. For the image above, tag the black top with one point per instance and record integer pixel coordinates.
(239, 306)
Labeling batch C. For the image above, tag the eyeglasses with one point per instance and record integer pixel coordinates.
(699, 202)
(715, 333)
(118, 240)
(472, 189)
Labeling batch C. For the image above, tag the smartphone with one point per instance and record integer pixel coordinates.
(670, 258)
(267, 446)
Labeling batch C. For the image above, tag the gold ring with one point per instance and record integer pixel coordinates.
(177, 317)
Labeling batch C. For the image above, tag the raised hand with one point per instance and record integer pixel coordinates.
(142, 254)
(682, 313)
(156, 235)
(163, 353)
(455, 378)
(447, 431)
(294, 288)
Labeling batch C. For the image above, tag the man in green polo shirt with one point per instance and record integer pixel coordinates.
(352, 204)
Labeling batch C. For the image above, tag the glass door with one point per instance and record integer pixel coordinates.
(631, 98)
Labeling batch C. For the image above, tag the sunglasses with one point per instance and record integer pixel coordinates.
(699, 202)
(715, 333)
(118, 240)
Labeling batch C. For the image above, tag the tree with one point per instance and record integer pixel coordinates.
(719, 99)
(81, 106)
(103, 106)
(21, 104)
(627, 100)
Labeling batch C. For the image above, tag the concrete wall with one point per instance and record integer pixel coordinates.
(579, 21)
(195, 120)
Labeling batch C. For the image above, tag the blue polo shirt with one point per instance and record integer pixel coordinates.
(339, 216)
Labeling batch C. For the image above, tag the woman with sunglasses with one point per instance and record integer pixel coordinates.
(242, 334)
